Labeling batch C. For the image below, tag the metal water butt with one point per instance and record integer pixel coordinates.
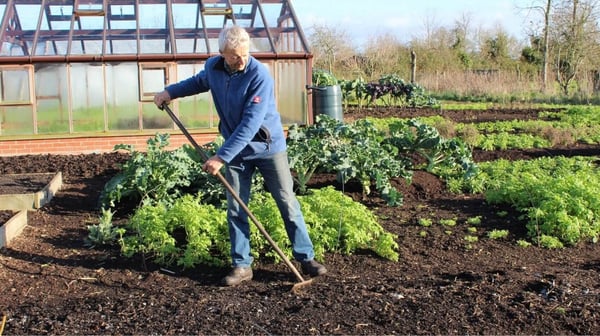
(327, 100)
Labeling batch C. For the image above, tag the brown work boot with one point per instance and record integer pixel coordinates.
(313, 268)
(237, 275)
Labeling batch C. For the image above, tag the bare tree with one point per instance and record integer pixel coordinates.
(461, 30)
(329, 45)
(574, 39)
(546, 45)
(382, 54)
(543, 7)
(430, 25)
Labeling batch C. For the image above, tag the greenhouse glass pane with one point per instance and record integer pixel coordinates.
(258, 44)
(51, 92)
(61, 21)
(215, 21)
(28, 16)
(189, 46)
(153, 81)
(153, 16)
(154, 118)
(14, 86)
(186, 16)
(122, 11)
(87, 38)
(16, 120)
(244, 14)
(86, 47)
(123, 46)
(91, 22)
(121, 34)
(196, 111)
(87, 92)
(148, 46)
(123, 25)
(122, 96)
(291, 91)
(289, 42)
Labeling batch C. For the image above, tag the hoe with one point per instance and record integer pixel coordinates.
(301, 281)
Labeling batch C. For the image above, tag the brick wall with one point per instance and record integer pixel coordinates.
(86, 145)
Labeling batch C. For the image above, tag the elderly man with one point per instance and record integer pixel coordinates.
(243, 92)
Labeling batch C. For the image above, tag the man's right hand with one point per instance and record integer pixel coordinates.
(213, 165)
(161, 98)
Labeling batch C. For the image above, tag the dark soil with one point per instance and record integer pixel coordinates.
(5, 215)
(53, 284)
(24, 183)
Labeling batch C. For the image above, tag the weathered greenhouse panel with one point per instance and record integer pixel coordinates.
(89, 69)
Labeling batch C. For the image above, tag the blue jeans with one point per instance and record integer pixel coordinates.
(276, 172)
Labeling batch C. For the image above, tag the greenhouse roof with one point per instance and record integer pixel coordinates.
(97, 30)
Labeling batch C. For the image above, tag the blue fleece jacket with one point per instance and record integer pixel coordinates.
(245, 103)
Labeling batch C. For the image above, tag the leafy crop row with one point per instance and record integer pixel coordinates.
(575, 124)
(389, 90)
(560, 197)
(191, 232)
(360, 151)
(178, 213)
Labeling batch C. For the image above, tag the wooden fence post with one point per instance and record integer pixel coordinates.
(413, 66)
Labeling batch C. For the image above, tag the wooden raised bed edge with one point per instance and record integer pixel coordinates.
(32, 200)
(12, 228)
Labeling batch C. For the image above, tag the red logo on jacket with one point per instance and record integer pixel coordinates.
(256, 99)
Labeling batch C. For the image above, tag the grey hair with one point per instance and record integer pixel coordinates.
(232, 37)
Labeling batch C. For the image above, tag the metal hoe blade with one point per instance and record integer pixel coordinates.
(301, 281)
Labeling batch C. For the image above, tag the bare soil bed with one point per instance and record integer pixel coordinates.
(23, 183)
(52, 284)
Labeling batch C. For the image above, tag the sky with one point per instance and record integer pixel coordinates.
(406, 19)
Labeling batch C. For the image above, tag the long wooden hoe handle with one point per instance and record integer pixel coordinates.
(234, 194)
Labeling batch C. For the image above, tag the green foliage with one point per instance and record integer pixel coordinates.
(425, 222)
(474, 220)
(448, 222)
(185, 234)
(373, 153)
(305, 153)
(352, 151)
(354, 90)
(162, 175)
(557, 127)
(550, 242)
(188, 232)
(103, 233)
(532, 55)
(445, 157)
(498, 234)
(322, 78)
(559, 196)
(523, 243)
(471, 239)
(389, 90)
(155, 175)
(335, 223)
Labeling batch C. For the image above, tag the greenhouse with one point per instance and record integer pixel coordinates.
(82, 74)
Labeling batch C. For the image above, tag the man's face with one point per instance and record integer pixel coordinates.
(236, 58)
